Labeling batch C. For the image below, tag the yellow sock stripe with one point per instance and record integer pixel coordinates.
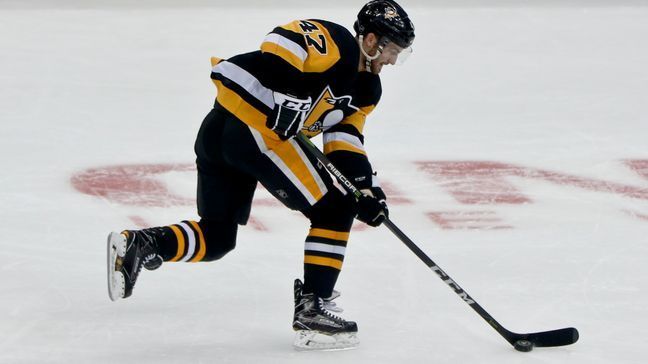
(181, 243)
(202, 248)
(327, 262)
(329, 234)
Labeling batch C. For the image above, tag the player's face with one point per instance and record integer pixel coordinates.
(391, 54)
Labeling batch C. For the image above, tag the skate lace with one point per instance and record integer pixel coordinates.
(330, 305)
(328, 313)
(149, 245)
(148, 248)
(149, 257)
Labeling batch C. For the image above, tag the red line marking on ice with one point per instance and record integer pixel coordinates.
(394, 195)
(359, 226)
(469, 182)
(474, 183)
(639, 165)
(638, 215)
(471, 220)
(257, 224)
(139, 221)
(131, 184)
(481, 182)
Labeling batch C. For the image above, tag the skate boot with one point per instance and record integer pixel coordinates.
(128, 252)
(317, 328)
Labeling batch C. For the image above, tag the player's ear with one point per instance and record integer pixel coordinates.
(370, 40)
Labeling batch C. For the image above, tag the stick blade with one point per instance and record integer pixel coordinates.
(560, 337)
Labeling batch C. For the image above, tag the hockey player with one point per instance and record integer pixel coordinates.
(309, 76)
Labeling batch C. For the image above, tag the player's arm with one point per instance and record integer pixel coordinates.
(344, 146)
(284, 52)
(344, 142)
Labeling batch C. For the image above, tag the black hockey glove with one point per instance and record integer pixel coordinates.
(288, 115)
(372, 207)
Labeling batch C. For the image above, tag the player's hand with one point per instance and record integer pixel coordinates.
(288, 115)
(372, 207)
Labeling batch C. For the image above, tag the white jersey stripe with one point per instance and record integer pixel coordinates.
(288, 44)
(325, 248)
(309, 165)
(244, 79)
(344, 137)
(258, 138)
(191, 241)
(291, 176)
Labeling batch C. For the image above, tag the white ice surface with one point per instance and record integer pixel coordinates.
(560, 88)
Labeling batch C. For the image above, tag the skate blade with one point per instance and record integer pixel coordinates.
(308, 340)
(116, 249)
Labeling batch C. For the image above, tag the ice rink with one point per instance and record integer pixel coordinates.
(513, 145)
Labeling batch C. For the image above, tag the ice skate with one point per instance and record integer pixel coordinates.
(317, 328)
(128, 252)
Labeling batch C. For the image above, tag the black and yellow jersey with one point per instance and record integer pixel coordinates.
(306, 58)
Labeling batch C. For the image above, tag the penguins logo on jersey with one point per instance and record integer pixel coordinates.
(327, 111)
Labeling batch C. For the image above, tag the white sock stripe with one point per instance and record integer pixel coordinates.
(191, 243)
(325, 248)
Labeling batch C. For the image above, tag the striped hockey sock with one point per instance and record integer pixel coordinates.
(323, 257)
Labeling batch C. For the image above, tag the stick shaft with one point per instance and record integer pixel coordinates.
(546, 338)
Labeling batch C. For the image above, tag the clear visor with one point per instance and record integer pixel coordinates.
(393, 53)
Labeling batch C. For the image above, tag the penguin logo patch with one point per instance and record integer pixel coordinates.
(327, 111)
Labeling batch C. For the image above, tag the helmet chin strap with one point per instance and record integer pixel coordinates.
(368, 58)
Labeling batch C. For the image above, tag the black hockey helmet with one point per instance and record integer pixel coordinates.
(386, 18)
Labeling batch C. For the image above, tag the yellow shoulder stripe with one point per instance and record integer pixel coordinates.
(322, 50)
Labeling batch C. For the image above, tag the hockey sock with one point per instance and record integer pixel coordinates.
(191, 241)
(323, 256)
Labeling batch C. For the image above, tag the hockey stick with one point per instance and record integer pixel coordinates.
(521, 342)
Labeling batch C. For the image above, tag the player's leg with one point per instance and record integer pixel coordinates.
(224, 201)
(287, 171)
(325, 247)
(331, 219)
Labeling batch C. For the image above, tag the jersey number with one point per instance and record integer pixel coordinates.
(320, 47)
(320, 43)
